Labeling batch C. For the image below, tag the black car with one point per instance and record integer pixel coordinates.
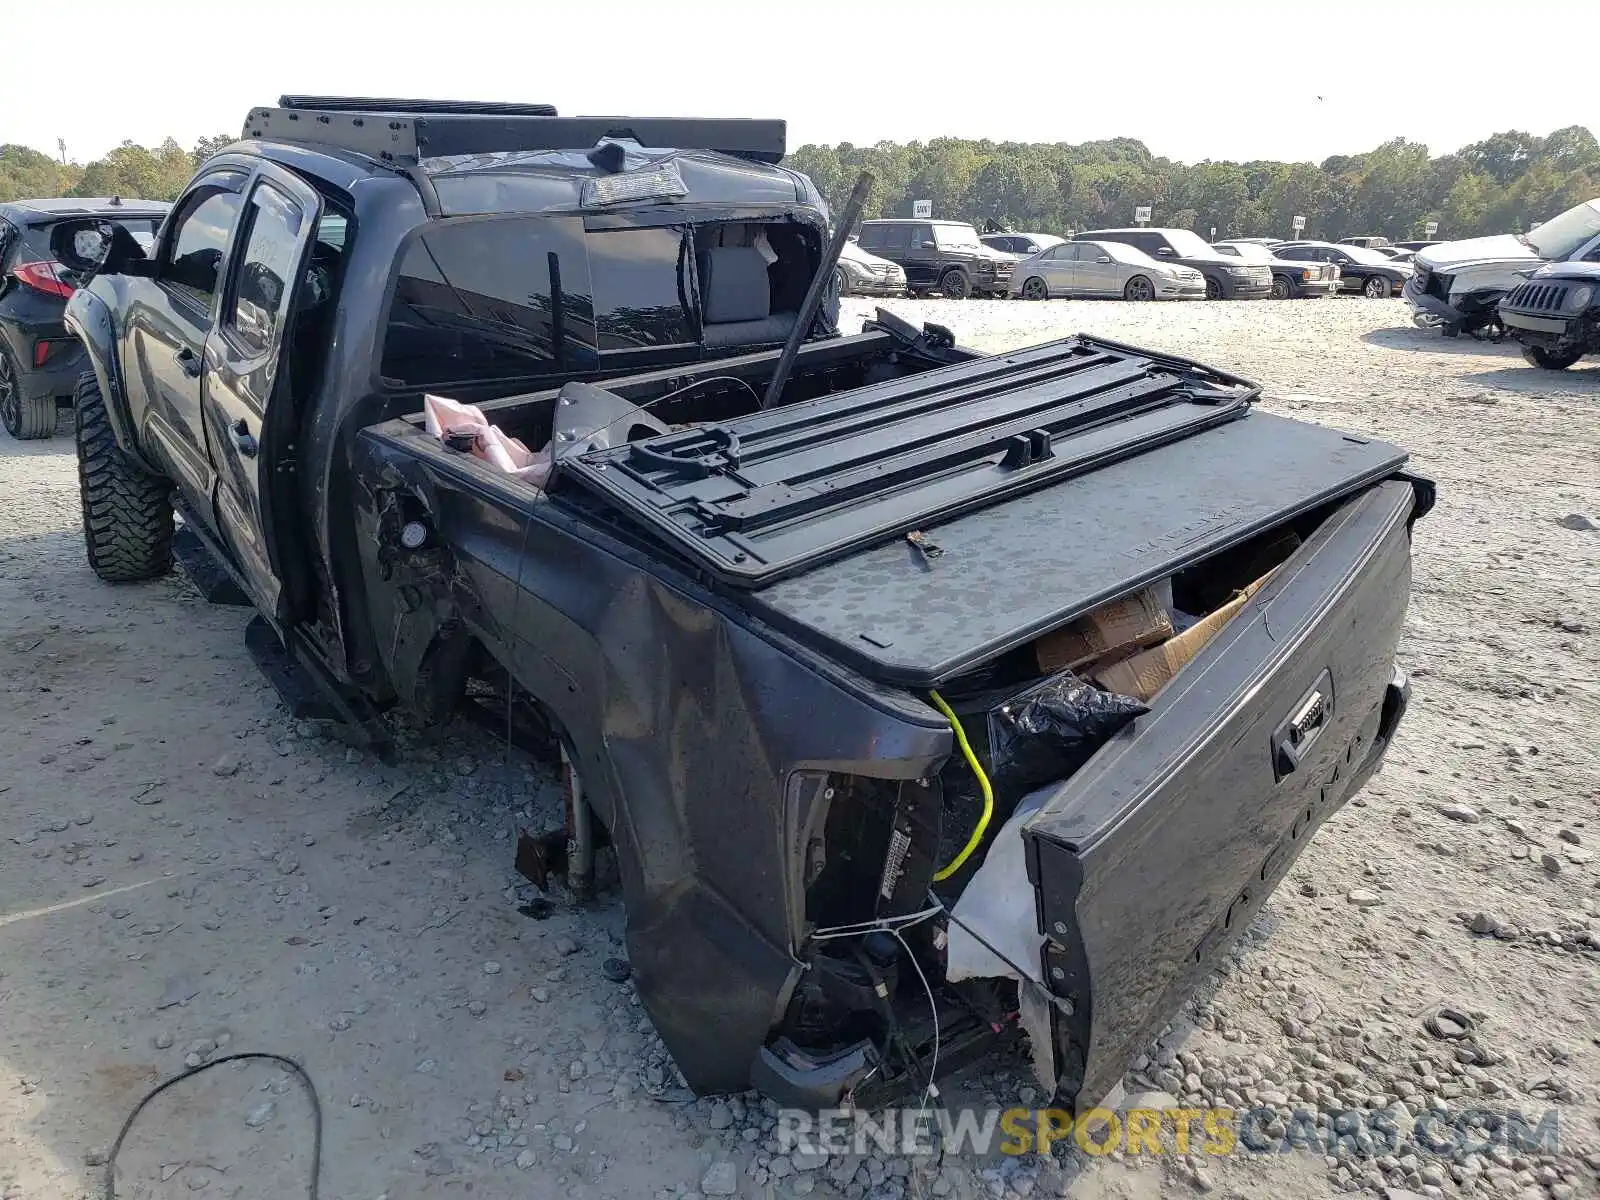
(1227, 278)
(1024, 245)
(940, 256)
(1290, 280)
(1555, 315)
(747, 578)
(1367, 272)
(39, 360)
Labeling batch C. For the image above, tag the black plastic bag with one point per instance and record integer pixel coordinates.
(1047, 732)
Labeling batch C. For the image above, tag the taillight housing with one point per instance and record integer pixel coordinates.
(43, 277)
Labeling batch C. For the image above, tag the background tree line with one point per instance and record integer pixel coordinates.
(1504, 183)
(129, 170)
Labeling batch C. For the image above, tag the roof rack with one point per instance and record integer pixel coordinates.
(403, 132)
(388, 104)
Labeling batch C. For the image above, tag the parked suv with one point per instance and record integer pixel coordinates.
(940, 256)
(39, 360)
(1226, 278)
(1555, 315)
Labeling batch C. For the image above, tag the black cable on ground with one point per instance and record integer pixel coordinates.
(288, 1063)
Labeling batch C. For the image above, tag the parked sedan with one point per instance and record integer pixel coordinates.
(1360, 270)
(1290, 280)
(863, 274)
(1110, 270)
(1023, 245)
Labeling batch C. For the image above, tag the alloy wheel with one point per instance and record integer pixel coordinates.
(10, 396)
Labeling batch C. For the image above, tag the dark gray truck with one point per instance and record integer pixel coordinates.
(768, 634)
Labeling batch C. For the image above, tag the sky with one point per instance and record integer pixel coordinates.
(1289, 80)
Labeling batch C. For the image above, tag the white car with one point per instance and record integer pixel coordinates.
(1458, 284)
(1108, 270)
(863, 274)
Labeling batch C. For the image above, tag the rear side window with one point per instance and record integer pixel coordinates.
(897, 237)
(269, 259)
(871, 235)
(199, 240)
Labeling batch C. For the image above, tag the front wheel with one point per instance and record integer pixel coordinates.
(1280, 287)
(955, 285)
(127, 513)
(1550, 360)
(840, 282)
(1034, 288)
(1213, 289)
(1138, 288)
(1375, 288)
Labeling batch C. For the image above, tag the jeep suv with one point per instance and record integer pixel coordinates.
(940, 256)
(1226, 278)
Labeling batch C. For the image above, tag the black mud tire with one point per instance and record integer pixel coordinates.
(1281, 289)
(24, 419)
(1213, 288)
(955, 285)
(1376, 287)
(127, 513)
(1550, 360)
(1034, 288)
(1138, 289)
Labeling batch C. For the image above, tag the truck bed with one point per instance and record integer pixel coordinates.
(1038, 486)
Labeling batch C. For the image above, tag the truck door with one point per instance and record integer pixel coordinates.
(169, 320)
(250, 395)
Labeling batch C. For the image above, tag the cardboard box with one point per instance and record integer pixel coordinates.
(1110, 632)
(1148, 672)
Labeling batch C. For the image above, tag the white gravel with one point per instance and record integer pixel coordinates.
(185, 873)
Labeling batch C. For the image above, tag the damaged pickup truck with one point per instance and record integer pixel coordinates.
(926, 699)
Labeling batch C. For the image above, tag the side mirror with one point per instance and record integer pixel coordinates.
(1104, 258)
(94, 247)
(82, 246)
(1165, 251)
(927, 245)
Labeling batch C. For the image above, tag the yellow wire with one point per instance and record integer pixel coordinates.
(983, 783)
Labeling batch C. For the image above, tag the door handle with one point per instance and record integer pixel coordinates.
(189, 361)
(243, 441)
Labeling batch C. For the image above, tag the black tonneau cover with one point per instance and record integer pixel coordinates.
(770, 495)
(1013, 571)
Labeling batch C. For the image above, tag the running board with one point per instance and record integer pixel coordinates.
(204, 571)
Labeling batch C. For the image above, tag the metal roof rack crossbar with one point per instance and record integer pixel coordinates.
(413, 130)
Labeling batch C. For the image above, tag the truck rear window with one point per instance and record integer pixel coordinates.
(472, 301)
(477, 300)
(640, 288)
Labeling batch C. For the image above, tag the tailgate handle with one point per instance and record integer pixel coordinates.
(1310, 715)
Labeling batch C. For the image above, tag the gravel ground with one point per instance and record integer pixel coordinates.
(185, 873)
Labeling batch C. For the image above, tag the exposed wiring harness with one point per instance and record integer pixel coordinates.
(982, 826)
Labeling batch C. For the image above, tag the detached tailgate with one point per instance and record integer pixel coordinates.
(1147, 862)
